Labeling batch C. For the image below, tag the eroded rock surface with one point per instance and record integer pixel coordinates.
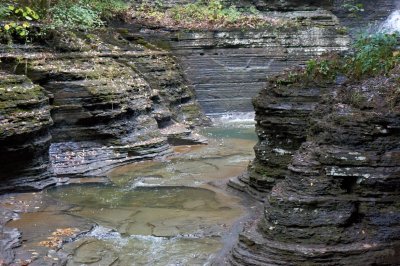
(24, 133)
(229, 67)
(338, 203)
(282, 110)
(9, 237)
(112, 101)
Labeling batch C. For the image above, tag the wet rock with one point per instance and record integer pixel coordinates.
(282, 110)
(112, 101)
(337, 204)
(291, 5)
(366, 20)
(24, 134)
(9, 238)
(228, 67)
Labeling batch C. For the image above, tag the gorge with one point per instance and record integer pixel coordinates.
(109, 127)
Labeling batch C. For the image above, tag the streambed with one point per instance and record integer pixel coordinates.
(174, 211)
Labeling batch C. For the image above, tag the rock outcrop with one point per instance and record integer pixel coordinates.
(283, 109)
(9, 237)
(291, 5)
(112, 101)
(338, 203)
(370, 17)
(24, 133)
(229, 67)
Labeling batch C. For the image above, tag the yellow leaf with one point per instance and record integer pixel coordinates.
(6, 27)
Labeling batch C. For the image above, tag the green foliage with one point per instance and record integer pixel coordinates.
(107, 8)
(16, 12)
(373, 54)
(17, 21)
(200, 14)
(213, 10)
(76, 16)
(353, 8)
(84, 14)
(324, 68)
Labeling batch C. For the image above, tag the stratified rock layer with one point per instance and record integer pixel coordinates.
(112, 101)
(283, 110)
(229, 67)
(24, 133)
(338, 204)
(372, 14)
(9, 237)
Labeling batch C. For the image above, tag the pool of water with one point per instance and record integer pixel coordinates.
(175, 211)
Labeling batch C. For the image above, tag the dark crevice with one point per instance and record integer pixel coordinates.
(348, 183)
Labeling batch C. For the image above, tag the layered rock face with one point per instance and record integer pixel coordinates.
(9, 237)
(290, 5)
(24, 133)
(229, 67)
(373, 13)
(113, 101)
(338, 204)
(282, 110)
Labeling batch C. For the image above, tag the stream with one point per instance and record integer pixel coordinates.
(173, 211)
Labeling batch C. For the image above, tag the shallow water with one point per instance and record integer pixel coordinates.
(169, 212)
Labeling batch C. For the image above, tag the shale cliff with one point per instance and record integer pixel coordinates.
(282, 110)
(90, 102)
(328, 154)
(228, 67)
(24, 133)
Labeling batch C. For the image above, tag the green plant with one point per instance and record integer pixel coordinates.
(311, 66)
(200, 14)
(107, 8)
(16, 21)
(83, 14)
(353, 8)
(342, 30)
(323, 68)
(373, 54)
(76, 16)
(357, 99)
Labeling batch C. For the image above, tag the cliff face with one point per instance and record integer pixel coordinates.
(112, 101)
(229, 67)
(24, 132)
(290, 5)
(338, 203)
(282, 110)
(373, 13)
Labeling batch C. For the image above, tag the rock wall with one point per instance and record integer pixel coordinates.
(112, 101)
(282, 109)
(338, 203)
(228, 68)
(359, 22)
(24, 133)
(291, 5)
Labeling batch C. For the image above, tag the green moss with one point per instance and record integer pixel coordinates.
(342, 30)
(357, 99)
